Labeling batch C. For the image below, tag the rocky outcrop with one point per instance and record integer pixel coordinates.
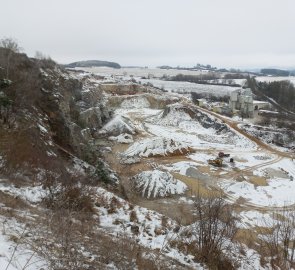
(91, 118)
(55, 115)
(122, 89)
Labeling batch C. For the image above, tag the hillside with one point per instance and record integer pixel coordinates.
(275, 72)
(93, 63)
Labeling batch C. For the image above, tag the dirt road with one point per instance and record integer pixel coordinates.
(234, 126)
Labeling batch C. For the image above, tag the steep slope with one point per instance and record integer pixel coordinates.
(51, 112)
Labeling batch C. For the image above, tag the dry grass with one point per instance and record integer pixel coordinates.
(196, 186)
(13, 201)
(258, 181)
(248, 237)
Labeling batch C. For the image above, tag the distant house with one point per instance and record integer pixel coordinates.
(261, 105)
(200, 102)
(221, 108)
(217, 108)
(241, 101)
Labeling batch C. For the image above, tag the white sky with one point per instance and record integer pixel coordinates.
(223, 33)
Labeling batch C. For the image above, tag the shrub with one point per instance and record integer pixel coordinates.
(210, 238)
(133, 216)
(72, 196)
(102, 173)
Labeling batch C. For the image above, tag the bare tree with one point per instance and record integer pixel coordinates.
(211, 238)
(39, 55)
(215, 228)
(11, 46)
(278, 242)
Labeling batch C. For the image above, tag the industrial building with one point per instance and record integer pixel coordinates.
(241, 102)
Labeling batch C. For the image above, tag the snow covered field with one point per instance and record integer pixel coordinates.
(187, 87)
(138, 72)
(154, 75)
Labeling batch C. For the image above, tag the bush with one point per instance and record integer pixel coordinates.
(278, 243)
(133, 216)
(73, 196)
(102, 173)
(211, 238)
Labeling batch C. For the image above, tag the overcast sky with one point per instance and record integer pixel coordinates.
(223, 33)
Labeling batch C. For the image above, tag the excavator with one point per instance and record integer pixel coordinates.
(215, 162)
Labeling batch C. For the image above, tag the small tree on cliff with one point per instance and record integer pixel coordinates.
(11, 47)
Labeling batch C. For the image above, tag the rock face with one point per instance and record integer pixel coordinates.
(91, 118)
(282, 137)
(121, 89)
(53, 112)
(152, 184)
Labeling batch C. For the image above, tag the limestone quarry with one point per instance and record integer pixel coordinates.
(125, 166)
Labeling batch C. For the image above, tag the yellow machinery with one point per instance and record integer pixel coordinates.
(215, 162)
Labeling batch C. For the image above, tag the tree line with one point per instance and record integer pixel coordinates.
(283, 92)
(209, 78)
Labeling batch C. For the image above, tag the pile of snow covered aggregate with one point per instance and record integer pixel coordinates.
(156, 146)
(118, 125)
(157, 183)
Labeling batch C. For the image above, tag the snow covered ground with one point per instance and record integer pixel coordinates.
(146, 226)
(254, 218)
(14, 255)
(138, 72)
(279, 191)
(153, 233)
